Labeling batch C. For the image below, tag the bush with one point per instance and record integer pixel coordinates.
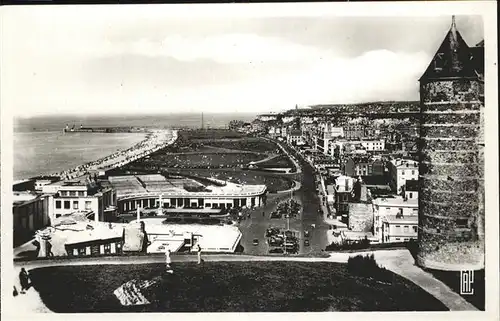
(357, 245)
(366, 266)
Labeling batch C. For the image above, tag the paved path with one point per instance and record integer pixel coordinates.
(397, 261)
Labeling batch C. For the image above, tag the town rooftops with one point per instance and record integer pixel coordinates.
(453, 59)
(408, 219)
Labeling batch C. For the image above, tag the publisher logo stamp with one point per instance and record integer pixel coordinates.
(466, 282)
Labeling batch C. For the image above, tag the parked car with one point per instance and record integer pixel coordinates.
(306, 233)
(306, 243)
(255, 242)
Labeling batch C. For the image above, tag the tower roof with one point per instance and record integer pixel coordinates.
(452, 59)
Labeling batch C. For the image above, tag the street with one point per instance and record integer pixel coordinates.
(255, 226)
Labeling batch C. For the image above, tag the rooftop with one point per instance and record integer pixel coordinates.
(396, 202)
(393, 219)
(453, 58)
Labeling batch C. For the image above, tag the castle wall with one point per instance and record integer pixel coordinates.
(451, 205)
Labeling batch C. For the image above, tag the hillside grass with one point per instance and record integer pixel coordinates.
(230, 287)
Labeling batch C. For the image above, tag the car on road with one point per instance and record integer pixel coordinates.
(306, 233)
(306, 243)
(255, 242)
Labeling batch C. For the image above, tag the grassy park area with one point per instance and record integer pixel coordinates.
(230, 287)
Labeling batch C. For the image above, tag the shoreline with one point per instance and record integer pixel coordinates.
(155, 139)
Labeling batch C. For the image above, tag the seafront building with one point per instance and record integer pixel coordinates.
(174, 193)
(451, 222)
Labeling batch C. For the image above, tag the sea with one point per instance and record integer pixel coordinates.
(41, 147)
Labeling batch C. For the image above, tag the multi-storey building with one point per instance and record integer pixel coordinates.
(451, 222)
(399, 228)
(363, 166)
(386, 207)
(69, 197)
(401, 171)
(343, 195)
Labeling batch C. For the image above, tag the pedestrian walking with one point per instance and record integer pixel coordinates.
(24, 280)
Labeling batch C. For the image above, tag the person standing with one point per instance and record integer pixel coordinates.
(24, 280)
(168, 260)
(197, 248)
(145, 241)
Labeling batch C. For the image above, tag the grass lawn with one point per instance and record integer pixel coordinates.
(273, 182)
(249, 144)
(229, 287)
(202, 160)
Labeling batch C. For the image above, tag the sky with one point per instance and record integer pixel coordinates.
(74, 60)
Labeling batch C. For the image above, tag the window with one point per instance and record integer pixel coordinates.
(58, 215)
(411, 195)
(72, 193)
(67, 205)
(402, 172)
(414, 229)
(413, 172)
(88, 205)
(398, 239)
(406, 228)
(398, 226)
(107, 248)
(58, 204)
(81, 193)
(75, 205)
(82, 251)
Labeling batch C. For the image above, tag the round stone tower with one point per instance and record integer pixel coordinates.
(451, 198)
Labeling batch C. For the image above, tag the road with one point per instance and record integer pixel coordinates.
(255, 227)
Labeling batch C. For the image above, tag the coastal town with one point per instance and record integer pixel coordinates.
(312, 182)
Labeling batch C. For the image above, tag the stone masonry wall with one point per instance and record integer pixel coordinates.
(451, 173)
(361, 217)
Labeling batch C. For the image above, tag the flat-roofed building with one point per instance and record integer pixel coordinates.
(383, 207)
(399, 228)
(147, 191)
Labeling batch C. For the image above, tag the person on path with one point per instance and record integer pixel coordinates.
(168, 259)
(197, 248)
(145, 242)
(24, 280)
(49, 250)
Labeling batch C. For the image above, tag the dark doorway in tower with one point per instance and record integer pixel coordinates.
(243, 202)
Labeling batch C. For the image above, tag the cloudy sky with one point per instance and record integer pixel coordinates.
(74, 60)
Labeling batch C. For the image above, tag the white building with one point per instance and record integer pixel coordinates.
(401, 171)
(387, 207)
(399, 228)
(70, 197)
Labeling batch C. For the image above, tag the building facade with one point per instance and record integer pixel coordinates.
(385, 207)
(451, 150)
(30, 213)
(401, 171)
(398, 228)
